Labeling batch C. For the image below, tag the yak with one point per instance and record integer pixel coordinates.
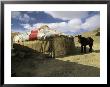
(84, 42)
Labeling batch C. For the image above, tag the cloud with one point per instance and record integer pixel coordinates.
(22, 17)
(32, 19)
(68, 15)
(15, 14)
(30, 12)
(17, 30)
(92, 22)
(26, 26)
(74, 25)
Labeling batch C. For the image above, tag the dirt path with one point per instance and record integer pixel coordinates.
(91, 59)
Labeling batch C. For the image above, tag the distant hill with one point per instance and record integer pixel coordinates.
(96, 32)
(14, 33)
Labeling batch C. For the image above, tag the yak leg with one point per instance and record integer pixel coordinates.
(50, 54)
(84, 49)
(81, 48)
(90, 50)
(45, 46)
(53, 53)
(41, 50)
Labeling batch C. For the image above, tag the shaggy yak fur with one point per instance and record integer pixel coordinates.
(84, 42)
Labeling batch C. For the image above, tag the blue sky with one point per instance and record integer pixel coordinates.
(69, 22)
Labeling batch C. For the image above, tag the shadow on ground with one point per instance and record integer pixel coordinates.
(30, 63)
(77, 51)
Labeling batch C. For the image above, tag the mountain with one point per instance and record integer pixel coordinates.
(45, 29)
(95, 32)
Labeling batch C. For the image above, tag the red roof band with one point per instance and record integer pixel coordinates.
(33, 35)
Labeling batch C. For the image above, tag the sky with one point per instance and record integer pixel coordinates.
(68, 22)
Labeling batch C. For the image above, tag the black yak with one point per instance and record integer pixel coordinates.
(85, 41)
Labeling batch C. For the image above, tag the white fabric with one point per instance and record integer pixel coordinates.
(43, 32)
